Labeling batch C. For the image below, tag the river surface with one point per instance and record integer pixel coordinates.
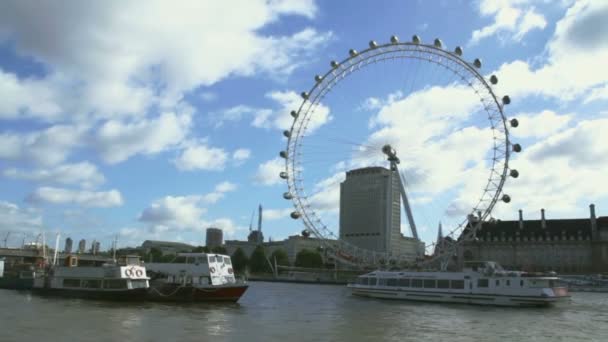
(296, 312)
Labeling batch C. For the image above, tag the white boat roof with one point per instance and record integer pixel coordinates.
(191, 255)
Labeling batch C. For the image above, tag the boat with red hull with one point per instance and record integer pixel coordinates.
(199, 277)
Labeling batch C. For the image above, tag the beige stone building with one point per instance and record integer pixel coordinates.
(561, 245)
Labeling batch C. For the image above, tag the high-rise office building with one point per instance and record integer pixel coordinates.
(370, 212)
(215, 237)
(82, 245)
(68, 246)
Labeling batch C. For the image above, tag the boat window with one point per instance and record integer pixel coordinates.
(508, 282)
(71, 282)
(482, 282)
(204, 280)
(429, 283)
(551, 283)
(457, 284)
(404, 282)
(363, 280)
(416, 282)
(392, 282)
(521, 283)
(227, 261)
(189, 280)
(91, 284)
(372, 281)
(138, 284)
(115, 284)
(382, 282)
(201, 260)
(211, 259)
(497, 282)
(443, 284)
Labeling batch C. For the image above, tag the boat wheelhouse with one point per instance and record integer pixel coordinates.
(124, 280)
(483, 283)
(195, 277)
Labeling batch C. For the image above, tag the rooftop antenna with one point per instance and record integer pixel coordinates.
(260, 218)
(251, 221)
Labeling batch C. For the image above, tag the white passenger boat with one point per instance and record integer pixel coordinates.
(196, 277)
(123, 280)
(483, 283)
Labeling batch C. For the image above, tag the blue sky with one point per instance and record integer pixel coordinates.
(150, 120)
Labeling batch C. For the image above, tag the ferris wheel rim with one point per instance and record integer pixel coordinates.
(340, 71)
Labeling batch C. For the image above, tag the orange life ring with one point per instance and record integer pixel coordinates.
(139, 273)
(212, 270)
(129, 272)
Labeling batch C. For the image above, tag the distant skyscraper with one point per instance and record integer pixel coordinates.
(215, 237)
(95, 247)
(82, 245)
(68, 246)
(370, 209)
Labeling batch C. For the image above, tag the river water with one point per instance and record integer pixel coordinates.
(296, 312)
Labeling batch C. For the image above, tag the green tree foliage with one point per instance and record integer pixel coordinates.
(239, 261)
(155, 255)
(200, 249)
(219, 250)
(258, 262)
(281, 257)
(308, 258)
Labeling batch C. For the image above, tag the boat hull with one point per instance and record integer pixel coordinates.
(11, 283)
(114, 295)
(187, 293)
(460, 298)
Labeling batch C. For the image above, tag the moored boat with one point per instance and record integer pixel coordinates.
(198, 277)
(483, 283)
(122, 280)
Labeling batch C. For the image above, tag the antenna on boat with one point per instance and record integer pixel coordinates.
(56, 248)
(114, 243)
(44, 247)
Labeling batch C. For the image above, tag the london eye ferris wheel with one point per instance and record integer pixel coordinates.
(420, 110)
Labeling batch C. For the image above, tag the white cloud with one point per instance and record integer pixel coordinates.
(111, 66)
(225, 187)
(220, 190)
(540, 125)
(281, 119)
(180, 211)
(509, 20)
(45, 147)
(201, 157)
(13, 218)
(599, 93)
(185, 213)
(50, 195)
(208, 96)
(268, 172)
(26, 98)
(241, 155)
(117, 140)
(276, 214)
(570, 69)
(84, 174)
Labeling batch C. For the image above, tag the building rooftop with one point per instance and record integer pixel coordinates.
(533, 229)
